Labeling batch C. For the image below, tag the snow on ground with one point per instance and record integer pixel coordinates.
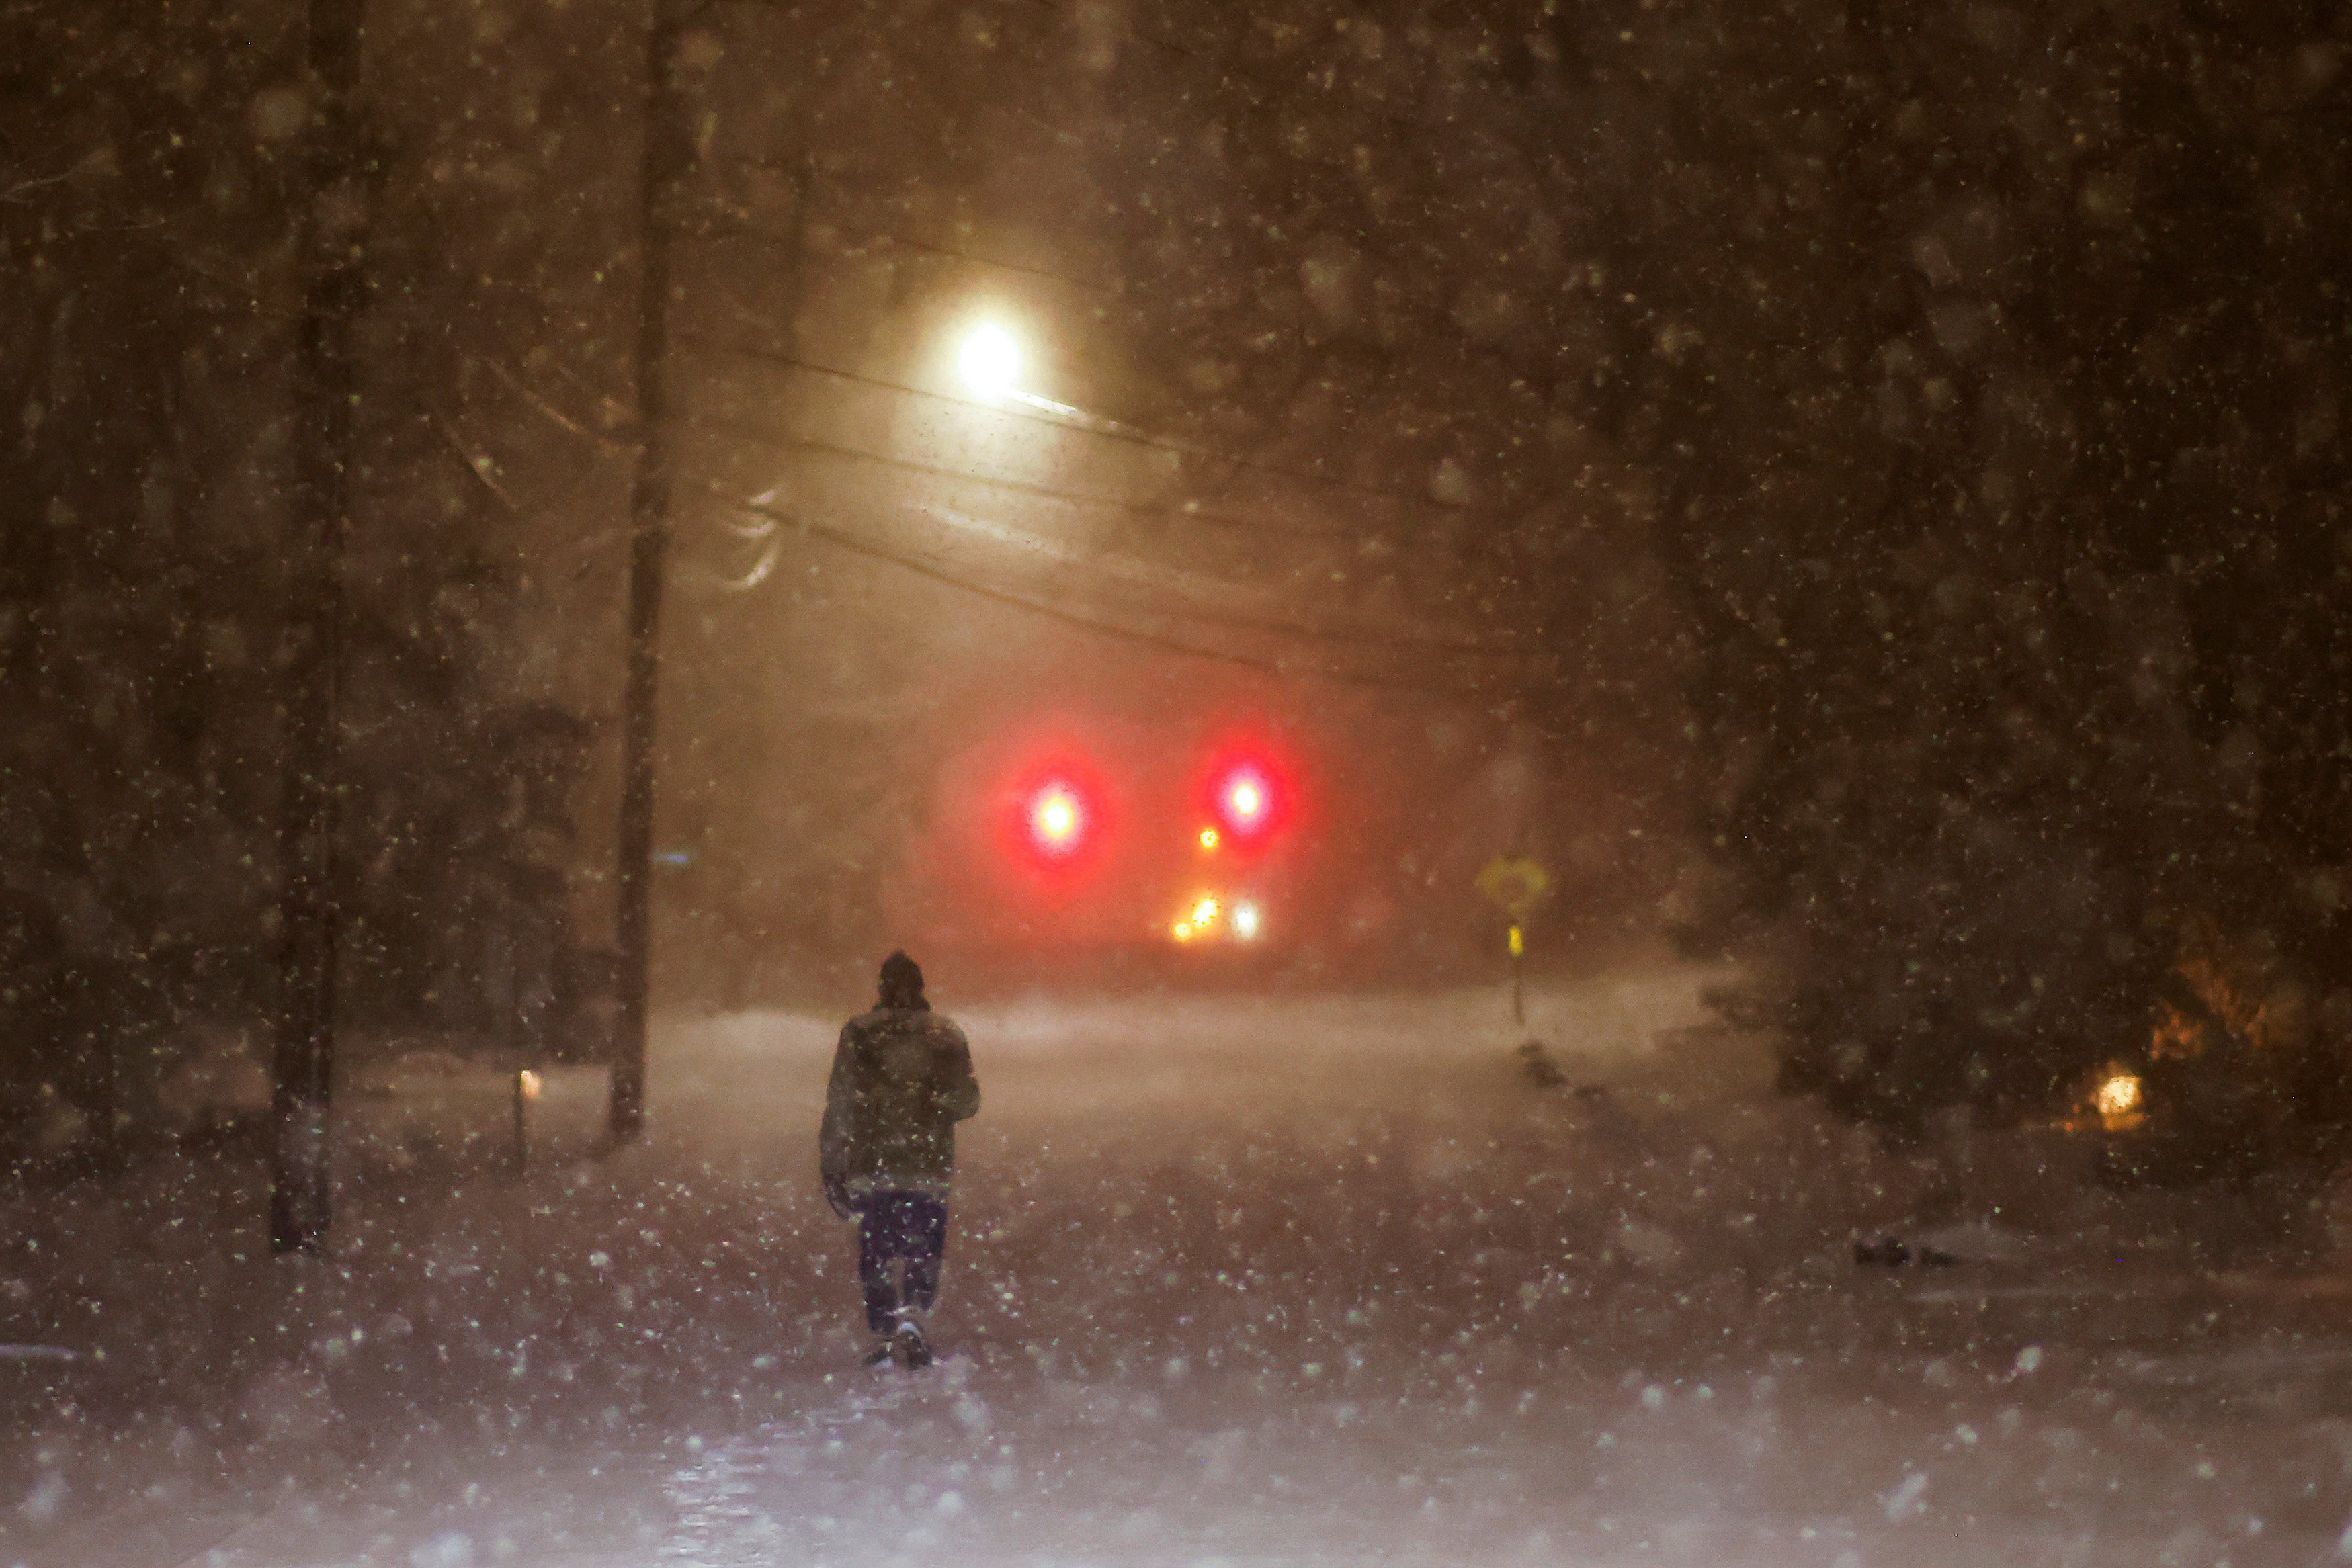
(1305, 1281)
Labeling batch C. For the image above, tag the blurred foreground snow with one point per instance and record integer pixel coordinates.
(1293, 1281)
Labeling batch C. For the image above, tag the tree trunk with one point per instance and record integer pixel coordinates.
(335, 287)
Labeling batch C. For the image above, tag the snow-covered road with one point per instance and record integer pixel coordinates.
(1300, 1281)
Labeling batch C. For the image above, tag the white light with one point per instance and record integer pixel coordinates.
(1245, 921)
(1056, 816)
(990, 360)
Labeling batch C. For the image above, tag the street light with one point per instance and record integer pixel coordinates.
(990, 360)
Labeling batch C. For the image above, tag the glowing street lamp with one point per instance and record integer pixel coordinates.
(1246, 921)
(990, 361)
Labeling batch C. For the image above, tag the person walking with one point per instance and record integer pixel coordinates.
(901, 1081)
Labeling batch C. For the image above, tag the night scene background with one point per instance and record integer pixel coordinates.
(1623, 725)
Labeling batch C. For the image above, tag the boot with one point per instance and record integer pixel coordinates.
(914, 1350)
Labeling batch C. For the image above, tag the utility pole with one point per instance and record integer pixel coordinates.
(668, 152)
(332, 235)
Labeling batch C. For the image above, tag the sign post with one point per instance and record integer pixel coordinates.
(1518, 975)
(1517, 886)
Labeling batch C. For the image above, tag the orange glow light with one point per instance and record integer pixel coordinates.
(2119, 1095)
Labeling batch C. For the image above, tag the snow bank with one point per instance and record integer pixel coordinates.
(1282, 1283)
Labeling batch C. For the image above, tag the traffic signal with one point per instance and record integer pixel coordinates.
(1055, 814)
(1058, 819)
(1248, 798)
(1243, 800)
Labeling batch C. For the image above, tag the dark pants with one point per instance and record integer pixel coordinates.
(895, 1228)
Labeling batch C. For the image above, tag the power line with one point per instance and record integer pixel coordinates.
(1383, 638)
(1397, 638)
(1223, 66)
(857, 545)
(1029, 487)
(1125, 433)
(1067, 418)
(1460, 646)
(1043, 491)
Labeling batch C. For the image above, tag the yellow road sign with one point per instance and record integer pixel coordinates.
(1515, 885)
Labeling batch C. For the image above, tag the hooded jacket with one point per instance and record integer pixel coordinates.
(901, 1081)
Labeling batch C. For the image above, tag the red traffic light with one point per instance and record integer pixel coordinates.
(1249, 797)
(1057, 818)
(1244, 800)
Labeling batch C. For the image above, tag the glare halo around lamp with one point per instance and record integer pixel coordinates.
(988, 359)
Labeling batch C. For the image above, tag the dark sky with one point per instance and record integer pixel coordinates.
(1893, 452)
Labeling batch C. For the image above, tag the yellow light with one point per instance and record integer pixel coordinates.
(1205, 913)
(1182, 930)
(528, 1082)
(1208, 838)
(990, 360)
(2119, 1095)
(1245, 921)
